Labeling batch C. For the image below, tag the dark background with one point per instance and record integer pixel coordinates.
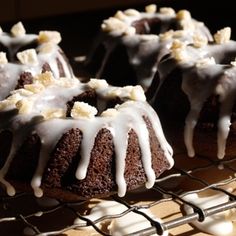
(79, 20)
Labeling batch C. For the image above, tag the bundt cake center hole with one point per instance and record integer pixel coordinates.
(153, 26)
(111, 103)
(94, 100)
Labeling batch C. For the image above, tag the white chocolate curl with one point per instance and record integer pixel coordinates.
(18, 30)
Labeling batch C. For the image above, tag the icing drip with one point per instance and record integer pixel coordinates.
(142, 132)
(223, 131)
(49, 137)
(168, 151)
(90, 130)
(127, 224)
(219, 224)
(129, 115)
(13, 44)
(190, 124)
(120, 136)
(227, 98)
(18, 138)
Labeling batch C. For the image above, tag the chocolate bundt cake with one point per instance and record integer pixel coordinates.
(197, 86)
(73, 140)
(23, 56)
(131, 43)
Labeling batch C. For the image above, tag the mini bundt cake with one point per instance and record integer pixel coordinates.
(23, 56)
(196, 93)
(73, 140)
(131, 43)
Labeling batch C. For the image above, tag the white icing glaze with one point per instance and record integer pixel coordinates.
(11, 71)
(227, 99)
(129, 223)
(203, 75)
(144, 50)
(55, 96)
(219, 224)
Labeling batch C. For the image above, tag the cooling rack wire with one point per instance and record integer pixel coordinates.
(14, 215)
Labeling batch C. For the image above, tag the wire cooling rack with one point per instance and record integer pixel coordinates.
(14, 215)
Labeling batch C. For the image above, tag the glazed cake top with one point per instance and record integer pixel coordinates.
(41, 108)
(21, 52)
(207, 69)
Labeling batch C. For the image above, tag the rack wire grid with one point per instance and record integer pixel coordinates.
(163, 192)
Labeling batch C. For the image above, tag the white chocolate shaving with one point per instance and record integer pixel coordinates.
(113, 24)
(167, 35)
(83, 110)
(178, 51)
(180, 55)
(130, 31)
(64, 82)
(205, 62)
(49, 36)
(3, 58)
(34, 88)
(131, 12)
(222, 36)
(21, 92)
(148, 37)
(24, 106)
(179, 33)
(137, 93)
(3, 105)
(97, 83)
(120, 15)
(152, 8)
(10, 101)
(183, 15)
(177, 44)
(111, 112)
(171, 34)
(116, 92)
(53, 113)
(18, 30)
(28, 57)
(45, 78)
(199, 41)
(15, 97)
(167, 11)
